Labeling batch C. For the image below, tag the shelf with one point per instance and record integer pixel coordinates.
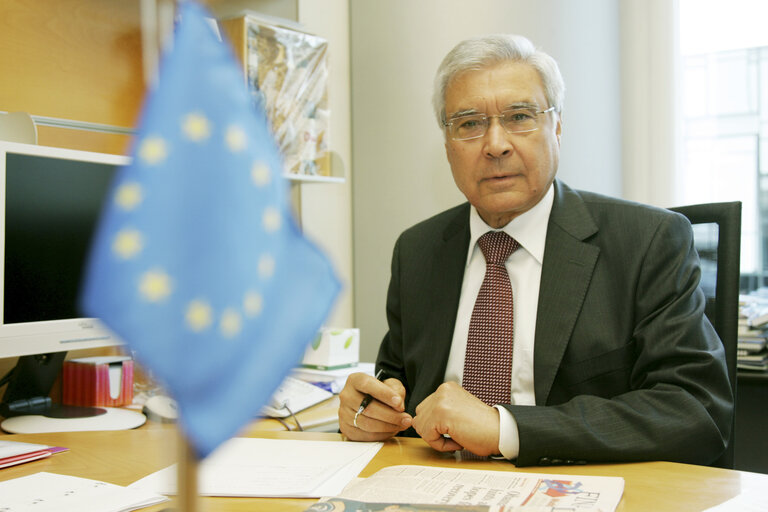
(314, 179)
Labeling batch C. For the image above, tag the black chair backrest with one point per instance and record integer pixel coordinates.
(721, 255)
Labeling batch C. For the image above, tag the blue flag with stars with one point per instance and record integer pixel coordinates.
(197, 263)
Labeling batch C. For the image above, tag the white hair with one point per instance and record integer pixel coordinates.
(480, 52)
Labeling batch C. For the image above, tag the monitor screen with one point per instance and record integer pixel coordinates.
(50, 201)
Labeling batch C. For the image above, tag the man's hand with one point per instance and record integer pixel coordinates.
(454, 412)
(383, 418)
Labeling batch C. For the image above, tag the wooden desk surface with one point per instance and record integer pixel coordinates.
(122, 457)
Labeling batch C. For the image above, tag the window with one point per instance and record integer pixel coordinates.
(724, 114)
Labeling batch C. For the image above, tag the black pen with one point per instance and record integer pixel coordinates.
(366, 399)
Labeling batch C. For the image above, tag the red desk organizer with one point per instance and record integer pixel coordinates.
(86, 381)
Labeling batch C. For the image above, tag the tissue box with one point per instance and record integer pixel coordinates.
(332, 349)
(102, 381)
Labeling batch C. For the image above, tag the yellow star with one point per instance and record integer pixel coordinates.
(230, 324)
(260, 174)
(196, 126)
(253, 303)
(153, 150)
(266, 266)
(236, 140)
(271, 219)
(128, 195)
(199, 315)
(127, 243)
(155, 285)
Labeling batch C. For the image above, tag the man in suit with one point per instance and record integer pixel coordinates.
(601, 351)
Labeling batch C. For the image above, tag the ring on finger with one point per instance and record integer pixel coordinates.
(354, 422)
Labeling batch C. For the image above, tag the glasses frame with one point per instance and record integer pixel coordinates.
(486, 117)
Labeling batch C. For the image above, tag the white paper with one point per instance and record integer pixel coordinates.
(751, 502)
(11, 448)
(50, 492)
(750, 499)
(272, 468)
(452, 486)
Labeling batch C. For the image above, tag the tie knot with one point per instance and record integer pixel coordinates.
(497, 246)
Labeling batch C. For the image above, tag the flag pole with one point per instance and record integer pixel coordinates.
(187, 465)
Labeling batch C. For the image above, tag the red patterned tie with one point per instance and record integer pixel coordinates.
(488, 363)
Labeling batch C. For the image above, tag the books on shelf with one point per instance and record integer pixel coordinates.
(748, 359)
(748, 346)
(752, 366)
(752, 342)
(751, 354)
(753, 310)
(752, 333)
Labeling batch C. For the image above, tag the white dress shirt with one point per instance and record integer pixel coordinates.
(524, 268)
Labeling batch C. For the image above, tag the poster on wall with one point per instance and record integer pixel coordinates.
(288, 72)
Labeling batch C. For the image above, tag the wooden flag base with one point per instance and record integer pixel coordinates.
(186, 487)
(187, 463)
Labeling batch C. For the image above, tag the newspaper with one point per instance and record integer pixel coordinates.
(497, 490)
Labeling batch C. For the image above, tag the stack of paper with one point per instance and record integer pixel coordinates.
(752, 334)
(272, 468)
(332, 380)
(15, 452)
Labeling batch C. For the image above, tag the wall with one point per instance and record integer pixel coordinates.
(650, 127)
(401, 175)
(77, 60)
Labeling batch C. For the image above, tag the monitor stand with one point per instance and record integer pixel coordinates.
(63, 421)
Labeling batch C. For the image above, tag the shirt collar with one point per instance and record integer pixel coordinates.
(529, 228)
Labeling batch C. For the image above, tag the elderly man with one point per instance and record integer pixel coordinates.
(536, 322)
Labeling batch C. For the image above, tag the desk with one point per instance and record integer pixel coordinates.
(122, 457)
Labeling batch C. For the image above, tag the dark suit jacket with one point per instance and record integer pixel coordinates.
(626, 366)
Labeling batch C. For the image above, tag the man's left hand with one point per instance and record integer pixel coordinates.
(454, 412)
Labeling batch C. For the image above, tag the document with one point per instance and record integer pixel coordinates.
(272, 468)
(498, 490)
(50, 492)
(750, 499)
(15, 452)
(13, 448)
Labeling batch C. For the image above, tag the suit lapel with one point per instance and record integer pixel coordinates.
(447, 274)
(565, 275)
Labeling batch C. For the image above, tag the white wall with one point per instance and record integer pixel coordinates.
(650, 127)
(400, 172)
(326, 209)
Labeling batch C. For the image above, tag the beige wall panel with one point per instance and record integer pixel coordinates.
(72, 59)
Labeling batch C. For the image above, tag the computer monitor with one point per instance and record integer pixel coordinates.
(50, 201)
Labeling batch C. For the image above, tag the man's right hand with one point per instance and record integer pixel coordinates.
(384, 417)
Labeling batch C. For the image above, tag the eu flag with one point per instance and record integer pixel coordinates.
(197, 262)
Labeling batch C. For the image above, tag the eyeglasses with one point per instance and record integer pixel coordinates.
(514, 120)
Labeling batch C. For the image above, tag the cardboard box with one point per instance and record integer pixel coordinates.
(332, 349)
(102, 381)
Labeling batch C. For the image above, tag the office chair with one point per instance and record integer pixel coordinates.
(717, 238)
